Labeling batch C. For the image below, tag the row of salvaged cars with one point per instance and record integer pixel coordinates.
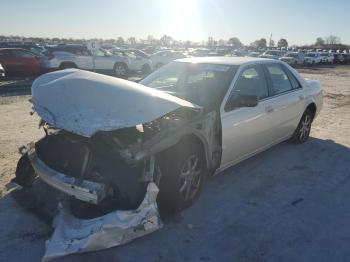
(24, 60)
(307, 58)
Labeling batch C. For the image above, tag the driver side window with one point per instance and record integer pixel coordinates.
(251, 82)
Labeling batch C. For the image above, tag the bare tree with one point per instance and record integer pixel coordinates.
(271, 43)
(332, 40)
(132, 40)
(166, 40)
(120, 41)
(210, 41)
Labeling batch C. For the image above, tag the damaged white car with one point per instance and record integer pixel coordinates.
(109, 143)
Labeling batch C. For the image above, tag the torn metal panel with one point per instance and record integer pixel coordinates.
(83, 102)
(73, 235)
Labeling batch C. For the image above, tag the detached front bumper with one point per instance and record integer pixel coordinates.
(83, 190)
(73, 235)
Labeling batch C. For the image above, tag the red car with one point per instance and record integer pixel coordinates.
(19, 62)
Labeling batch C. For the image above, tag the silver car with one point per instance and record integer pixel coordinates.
(110, 143)
(78, 56)
(294, 58)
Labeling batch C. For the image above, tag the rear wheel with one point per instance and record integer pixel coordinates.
(120, 70)
(183, 172)
(146, 69)
(302, 132)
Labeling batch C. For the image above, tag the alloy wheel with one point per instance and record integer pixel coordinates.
(305, 127)
(190, 177)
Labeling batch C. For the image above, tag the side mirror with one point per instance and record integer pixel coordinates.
(242, 101)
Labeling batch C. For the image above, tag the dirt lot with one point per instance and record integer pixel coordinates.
(290, 203)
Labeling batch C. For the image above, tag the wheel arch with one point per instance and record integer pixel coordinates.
(67, 63)
(313, 108)
(198, 140)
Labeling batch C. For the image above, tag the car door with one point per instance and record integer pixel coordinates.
(83, 58)
(246, 130)
(135, 62)
(286, 101)
(103, 61)
(8, 61)
(29, 63)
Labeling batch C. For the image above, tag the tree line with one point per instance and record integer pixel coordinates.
(168, 41)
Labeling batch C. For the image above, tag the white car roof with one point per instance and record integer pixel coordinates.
(224, 60)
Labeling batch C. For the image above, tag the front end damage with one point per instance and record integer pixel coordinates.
(100, 202)
(101, 162)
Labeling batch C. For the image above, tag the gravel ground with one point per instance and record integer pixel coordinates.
(290, 203)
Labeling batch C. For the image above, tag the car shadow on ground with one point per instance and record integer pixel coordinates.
(289, 203)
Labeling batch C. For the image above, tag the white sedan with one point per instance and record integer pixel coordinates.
(138, 60)
(313, 58)
(163, 57)
(191, 118)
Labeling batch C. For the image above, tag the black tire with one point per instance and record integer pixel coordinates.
(67, 65)
(173, 195)
(120, 70)
(302, 133)
(146, 69)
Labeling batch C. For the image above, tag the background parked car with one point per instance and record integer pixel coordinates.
(272, 54)
(78, 56)
(294, 58)
(163, 57)
(327, 58)
(312, 58)
(138, 60)
(339, 58)
(346, 58)
(253, 54)
(34, 48)
(19, 62)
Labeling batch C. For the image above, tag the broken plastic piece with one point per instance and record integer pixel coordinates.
(73, 235)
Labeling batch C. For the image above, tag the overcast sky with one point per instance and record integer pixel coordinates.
(299, 21)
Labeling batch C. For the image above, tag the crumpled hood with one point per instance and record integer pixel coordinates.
(83, 102)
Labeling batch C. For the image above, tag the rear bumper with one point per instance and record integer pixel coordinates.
(83, 190)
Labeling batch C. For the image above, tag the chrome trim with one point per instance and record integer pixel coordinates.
(83, 190)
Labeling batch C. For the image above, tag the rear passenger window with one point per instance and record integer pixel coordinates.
(252, 82)
(279, 78)
(293, 80)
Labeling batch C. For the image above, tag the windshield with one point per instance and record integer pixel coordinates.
(292, 55)
(202, 84)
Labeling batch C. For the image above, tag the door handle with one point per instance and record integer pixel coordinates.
(301, 97)
(269, 109)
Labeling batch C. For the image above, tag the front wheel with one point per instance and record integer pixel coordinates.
(302, 133)
(120, 70)
(183, 172)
